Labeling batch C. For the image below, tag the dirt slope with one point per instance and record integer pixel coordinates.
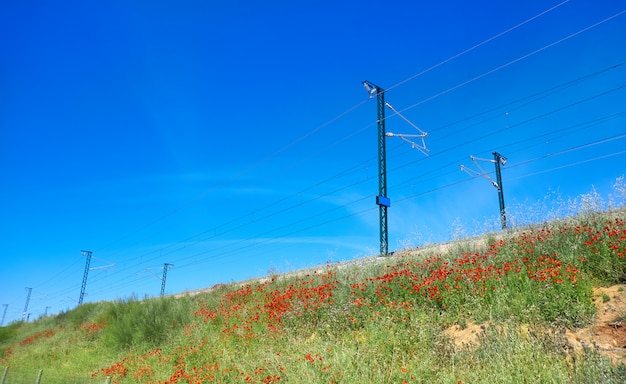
(607, 333)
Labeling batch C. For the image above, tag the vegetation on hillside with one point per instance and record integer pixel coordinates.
(381, 321)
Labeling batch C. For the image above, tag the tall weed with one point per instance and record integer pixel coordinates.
(144, 323)
(75, 317)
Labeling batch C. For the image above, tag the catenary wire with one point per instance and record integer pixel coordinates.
(275, 153)
(546, 114)
(313, 131)
(579, 147)
(468, 50)
(523, 57)
(552, 89)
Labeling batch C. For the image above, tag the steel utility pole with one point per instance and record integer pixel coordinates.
(84, 285)
(30, 290)
(4, 313)
(166, 266)
(382, 200)
(497, 159)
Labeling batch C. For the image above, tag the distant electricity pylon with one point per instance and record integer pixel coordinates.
(85, 274)
(4, 313)
(497, 160)
(30, 290)
(382, 200)
(163, 277)
(88, 254)
(166, 266)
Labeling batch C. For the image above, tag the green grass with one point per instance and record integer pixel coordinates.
(381, 321)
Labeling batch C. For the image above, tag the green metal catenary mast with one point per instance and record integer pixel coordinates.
(498, 160)
(166, 266)
(382, 200)
(85, 275)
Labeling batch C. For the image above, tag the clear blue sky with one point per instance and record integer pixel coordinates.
(233, 138)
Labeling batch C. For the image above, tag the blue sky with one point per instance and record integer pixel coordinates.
(235, 138)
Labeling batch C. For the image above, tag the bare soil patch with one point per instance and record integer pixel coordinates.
(607, 333)
(464, 337)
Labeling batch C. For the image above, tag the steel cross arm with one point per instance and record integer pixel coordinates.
(423, 134)
(422, 148)
(150, 273)
(484, 174)
(478, 165)
(474, 158)
(102, 267)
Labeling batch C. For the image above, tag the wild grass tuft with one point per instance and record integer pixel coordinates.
(146, 323)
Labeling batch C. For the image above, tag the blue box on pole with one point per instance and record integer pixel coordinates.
(384, 201)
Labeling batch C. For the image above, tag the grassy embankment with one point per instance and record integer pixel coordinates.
(377, 322)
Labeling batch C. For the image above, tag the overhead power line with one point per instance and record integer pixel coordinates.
(468, 50)
(320, 127)
(523, 57)
(543, 115)
(276, 153)
(601, 157)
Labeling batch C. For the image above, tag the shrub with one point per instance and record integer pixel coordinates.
(147, 322)
(78, 315)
